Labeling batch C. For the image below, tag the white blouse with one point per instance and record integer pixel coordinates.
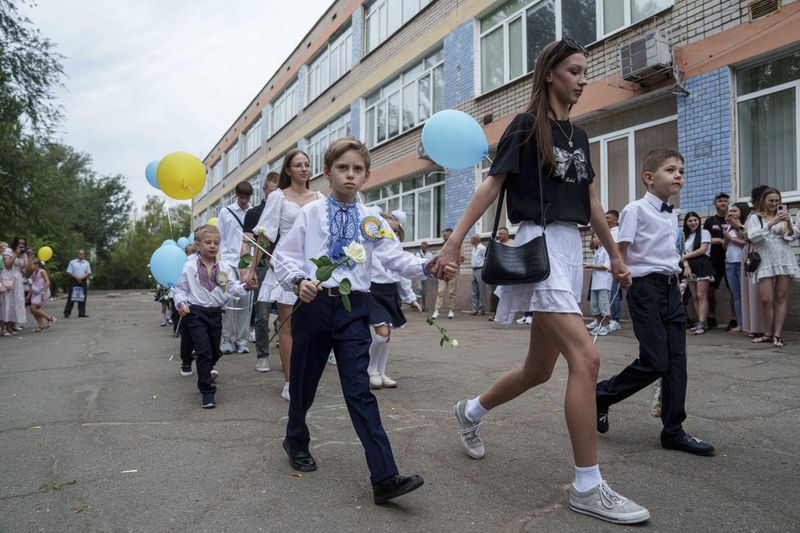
(279, 214)
(705, 237)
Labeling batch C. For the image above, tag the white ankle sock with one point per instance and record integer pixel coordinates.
(587, 477)
(475, 410)
(376, 352)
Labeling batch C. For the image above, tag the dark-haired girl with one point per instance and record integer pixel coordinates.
(697, 266)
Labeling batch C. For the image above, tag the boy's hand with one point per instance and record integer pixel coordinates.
(183, 310)
(450, 270)
(416, 307)
(307, 291)
(621, 273)
(251, 284)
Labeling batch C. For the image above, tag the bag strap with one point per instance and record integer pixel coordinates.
(501, 196)
(234, 216)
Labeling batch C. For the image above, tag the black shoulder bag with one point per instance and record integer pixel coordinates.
(753, 258)
(513, 265)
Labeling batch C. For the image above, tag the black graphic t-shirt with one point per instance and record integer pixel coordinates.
(565, 188)
(714, 226)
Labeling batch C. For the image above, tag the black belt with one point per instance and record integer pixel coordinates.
(333, 292)
(477, 268)
(665, 279)
(209, 310)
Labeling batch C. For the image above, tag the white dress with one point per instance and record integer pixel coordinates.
(12, 302)
(561, 291)
(777, 259)
(277, 219)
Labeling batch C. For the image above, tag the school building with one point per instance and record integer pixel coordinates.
(719, 79)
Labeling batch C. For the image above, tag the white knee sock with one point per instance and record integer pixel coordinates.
(475, 410)
(587, 477)
(376, 350)
(384, 359)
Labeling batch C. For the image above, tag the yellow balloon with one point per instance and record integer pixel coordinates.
(45, 253)
(212, 221)
(181, 175)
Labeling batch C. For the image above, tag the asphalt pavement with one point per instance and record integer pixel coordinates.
(99, 432)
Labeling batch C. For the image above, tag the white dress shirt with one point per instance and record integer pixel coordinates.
(230, 232)
(601, 279)
(651, 235)
(478, 256)
(79, 268)
(308, 239)
(381, 275)
(189, 290)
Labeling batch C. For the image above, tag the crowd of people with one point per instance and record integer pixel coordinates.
(336, 274)
(25, 284)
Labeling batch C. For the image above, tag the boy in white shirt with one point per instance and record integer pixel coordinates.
(203, 288)
(647, 242)
(601, 290)
(326, 227)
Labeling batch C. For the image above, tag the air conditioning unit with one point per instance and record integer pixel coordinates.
(644, 56)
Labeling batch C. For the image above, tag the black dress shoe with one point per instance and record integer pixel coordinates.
(395, 486)
(83, 316)
(602, 420)
(301, 461)
(687, 443)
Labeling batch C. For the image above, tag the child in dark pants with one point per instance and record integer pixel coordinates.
(647, 242)
(202, 290)
(341, 228)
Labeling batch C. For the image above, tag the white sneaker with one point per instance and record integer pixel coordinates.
(262, 364)
(285, 393)
(601, 331)
(163, 322)
(214, 374)
(613, 326)
(603, 503)
(468, 431)
(435, 314)
(388, 382)
(593, 324)
(252, 336)
(375, 381)
(451, 314)
(331, 359)
(521, 320)
(226, 346)
(528, 320)
(241, 347)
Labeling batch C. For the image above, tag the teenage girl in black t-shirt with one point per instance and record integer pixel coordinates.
(570, 199)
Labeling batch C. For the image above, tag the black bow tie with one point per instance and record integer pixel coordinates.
(666, 207)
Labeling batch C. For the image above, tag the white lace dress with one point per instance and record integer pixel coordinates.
(277, 219)
(12, 302)
(772, 244)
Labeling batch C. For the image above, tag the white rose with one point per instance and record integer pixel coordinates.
(356, 252)
(454, 343)
(261, 230)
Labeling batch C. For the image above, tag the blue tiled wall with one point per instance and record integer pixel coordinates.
(459, 64)
(355, 118)
(459, 186)
(704, 133)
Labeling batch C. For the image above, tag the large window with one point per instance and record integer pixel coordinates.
(422, 199)
(252, 139)
(617, 14)
(318, 143)
(285, 107)
(768, 118)
(232, 158)
(406, 101)
(215, 176)
(486, 222)
(384, 17)
(512, 35)
(334, 61)
(616, 158)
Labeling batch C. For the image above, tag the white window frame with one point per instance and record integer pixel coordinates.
(285, 107)
(380, 10)
(232, 158)
(481, 173)
(321, 72)
(319, 141)
(628, 133)
(397, 86)
(627, 23)
(412, 238)
(786, 196)
(252, 138)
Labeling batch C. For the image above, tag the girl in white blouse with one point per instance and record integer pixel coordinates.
(697, 267)
(281, 210)
(771, 231)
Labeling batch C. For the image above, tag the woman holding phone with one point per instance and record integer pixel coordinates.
(772, 231)
(12, 301)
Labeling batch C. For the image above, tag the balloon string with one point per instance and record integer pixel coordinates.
(488, 159)
(271, 257)
(169, 221)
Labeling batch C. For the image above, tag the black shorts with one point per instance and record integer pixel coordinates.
(384, 305)
(719, 271)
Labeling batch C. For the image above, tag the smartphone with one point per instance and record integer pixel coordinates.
(781, 208)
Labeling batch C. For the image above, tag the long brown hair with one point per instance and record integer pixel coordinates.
(285, 179)
(761, 208)
(539, 105)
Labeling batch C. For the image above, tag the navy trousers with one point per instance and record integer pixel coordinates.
(316, 328)
(659, 322)
(204, 325)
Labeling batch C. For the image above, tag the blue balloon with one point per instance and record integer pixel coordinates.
(183, 242)
(453, 139)
(169, 242)
(166, 265)
(150, 174)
